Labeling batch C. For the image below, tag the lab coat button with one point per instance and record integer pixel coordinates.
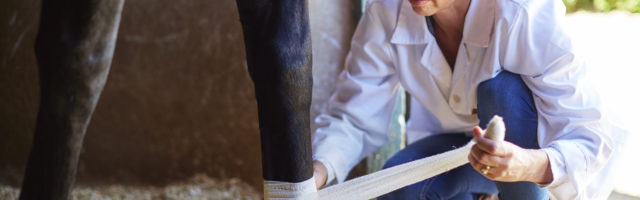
(456, 98)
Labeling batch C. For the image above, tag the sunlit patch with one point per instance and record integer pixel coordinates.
(610, 44)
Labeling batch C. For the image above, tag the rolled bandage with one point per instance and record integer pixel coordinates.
(390, 179)
(495, 129)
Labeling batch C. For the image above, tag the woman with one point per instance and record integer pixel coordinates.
(464, 61)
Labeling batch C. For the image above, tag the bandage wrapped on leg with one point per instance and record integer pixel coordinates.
(277, 190)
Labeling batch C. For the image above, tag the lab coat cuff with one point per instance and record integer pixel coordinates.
(558, 169)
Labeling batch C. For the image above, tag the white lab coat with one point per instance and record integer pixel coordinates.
(392, 47)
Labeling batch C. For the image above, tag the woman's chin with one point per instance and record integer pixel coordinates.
(424, 11)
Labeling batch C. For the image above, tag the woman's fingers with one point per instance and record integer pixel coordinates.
(480, 167)
(491, 147)
(477, 131)
(474, 163)
(496, 160)
(485, 158)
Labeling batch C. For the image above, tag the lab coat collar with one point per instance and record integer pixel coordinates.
(411, 28)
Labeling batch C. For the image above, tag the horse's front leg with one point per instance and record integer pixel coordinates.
(74, 47)
(278, 49)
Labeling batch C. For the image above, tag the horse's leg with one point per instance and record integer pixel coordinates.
(74, 48)
(278, 49)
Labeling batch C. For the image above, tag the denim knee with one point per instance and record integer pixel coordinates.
(504, 95)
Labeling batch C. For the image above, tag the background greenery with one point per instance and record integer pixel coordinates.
(602, 5)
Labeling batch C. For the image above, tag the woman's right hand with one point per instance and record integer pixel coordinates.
(319, 174)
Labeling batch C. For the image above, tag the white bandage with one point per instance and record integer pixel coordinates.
(390, 179)
(383, 181)
(277, 190)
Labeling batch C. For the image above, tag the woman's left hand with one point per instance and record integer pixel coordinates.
(508, 162)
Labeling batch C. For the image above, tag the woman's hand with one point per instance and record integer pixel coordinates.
(319, 173)
(508, 162)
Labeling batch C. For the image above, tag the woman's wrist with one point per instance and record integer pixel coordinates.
(541, 173)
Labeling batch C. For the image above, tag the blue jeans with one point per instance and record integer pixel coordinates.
(505, 95)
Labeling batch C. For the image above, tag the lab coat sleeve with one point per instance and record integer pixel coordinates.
(571, 128)
(358, 112)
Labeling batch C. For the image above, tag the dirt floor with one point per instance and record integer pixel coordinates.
(200, 187)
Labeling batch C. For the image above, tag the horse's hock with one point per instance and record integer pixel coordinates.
(178, 100)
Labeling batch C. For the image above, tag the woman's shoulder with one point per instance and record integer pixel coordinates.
(531, 34)
(518, 11)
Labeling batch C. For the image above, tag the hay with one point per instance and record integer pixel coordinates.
(200, 187)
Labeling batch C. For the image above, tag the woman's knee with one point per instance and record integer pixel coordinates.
(505, 95)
